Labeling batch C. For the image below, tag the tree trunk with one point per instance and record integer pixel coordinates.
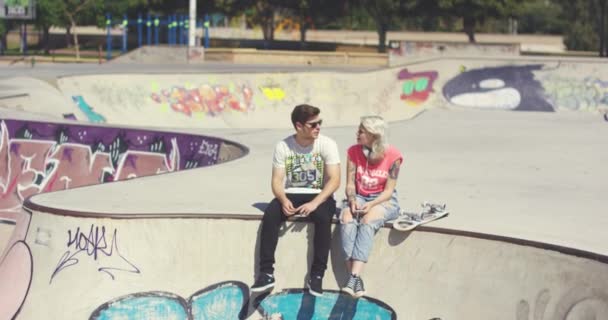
(382, 29)
(303, 29)
(469, 28)
(68, 37)
(3, 42)
(45, 40)
(602, 4)
(75, 34)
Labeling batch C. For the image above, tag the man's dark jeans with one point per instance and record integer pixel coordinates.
(321, 217)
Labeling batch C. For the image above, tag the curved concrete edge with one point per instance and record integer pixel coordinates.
(86, 154)
(441, 275)
(32, 206)
(16, 269)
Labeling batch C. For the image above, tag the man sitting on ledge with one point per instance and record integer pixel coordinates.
(305, 175)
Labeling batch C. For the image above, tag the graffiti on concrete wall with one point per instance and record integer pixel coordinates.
(230, 300)
(16, 267)
(506, 87)
(222, 301)
(273, 93)
(426, 48)
(91, 115)
(40, 157)
(590, 93)
(299, 304)
(95, 244)
(211, 100)
(416, 87)
(579, 302)
(528, 88)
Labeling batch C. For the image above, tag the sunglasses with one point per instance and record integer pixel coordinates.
(315, 124)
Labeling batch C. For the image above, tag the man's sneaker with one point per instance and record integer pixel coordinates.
(350, 285)
(315, 285)
(263, 282)
(359, 288)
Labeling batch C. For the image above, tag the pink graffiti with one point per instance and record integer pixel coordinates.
(210, 100)
(416, 87)
(29, 167)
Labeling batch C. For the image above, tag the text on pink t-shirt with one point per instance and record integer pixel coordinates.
(371, 178)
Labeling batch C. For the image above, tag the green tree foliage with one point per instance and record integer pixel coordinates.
(540, 17)
(309, 13)
(2, 36)
(385, 14)
(474, 12)
(583, 18)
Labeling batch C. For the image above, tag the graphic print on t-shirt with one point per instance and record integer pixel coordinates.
(304, 170)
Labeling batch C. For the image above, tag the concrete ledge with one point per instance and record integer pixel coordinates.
(296, 57)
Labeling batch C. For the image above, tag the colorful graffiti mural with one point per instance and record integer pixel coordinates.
(507, 88)
(230, 300)
(91, 115)
(416, 87)
(589, 94)
(222, 301)
(273, 93)
(526, 88)
(40, 157)
(206, 99)
(292, 304)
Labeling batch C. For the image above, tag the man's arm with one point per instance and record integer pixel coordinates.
(331, 185)
(278, 189)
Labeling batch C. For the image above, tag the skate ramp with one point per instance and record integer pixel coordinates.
(37, 157)
(114, 267)
(264, 100)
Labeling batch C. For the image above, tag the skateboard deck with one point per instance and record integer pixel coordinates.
(430, 212)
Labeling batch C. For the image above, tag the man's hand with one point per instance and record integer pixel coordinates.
(307, 208)
(288, 208)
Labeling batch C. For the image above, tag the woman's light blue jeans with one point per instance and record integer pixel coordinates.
(357, 238)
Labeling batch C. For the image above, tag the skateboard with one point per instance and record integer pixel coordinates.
(430, 212)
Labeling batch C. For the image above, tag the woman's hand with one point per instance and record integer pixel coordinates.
(352, 204)
(364, 209)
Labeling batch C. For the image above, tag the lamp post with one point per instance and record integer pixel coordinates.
(192, 24)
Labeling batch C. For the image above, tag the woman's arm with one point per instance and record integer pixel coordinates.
(351, 190)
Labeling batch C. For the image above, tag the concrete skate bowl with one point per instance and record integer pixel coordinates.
(264, 100)
(38, 157)
(83, 265)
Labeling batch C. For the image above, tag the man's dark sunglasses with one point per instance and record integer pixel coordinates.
(315, 124)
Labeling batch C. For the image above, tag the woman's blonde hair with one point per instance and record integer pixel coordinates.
(377, 127)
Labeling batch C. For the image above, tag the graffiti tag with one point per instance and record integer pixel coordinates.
(94, 245)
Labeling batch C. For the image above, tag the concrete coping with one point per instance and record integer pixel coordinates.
(30, 206)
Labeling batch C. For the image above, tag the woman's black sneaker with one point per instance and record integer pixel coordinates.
(350, 285)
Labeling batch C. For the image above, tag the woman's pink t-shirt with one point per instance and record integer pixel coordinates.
(371, 178)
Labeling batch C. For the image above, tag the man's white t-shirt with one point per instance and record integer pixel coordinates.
(305, 166)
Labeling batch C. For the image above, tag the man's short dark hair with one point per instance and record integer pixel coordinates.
(303, 112)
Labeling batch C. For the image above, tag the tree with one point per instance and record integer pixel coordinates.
(473, 12)
(385, 14)
(540, 17)
(3, 32)
(48, 14)
(309, 13)
(585, 17)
